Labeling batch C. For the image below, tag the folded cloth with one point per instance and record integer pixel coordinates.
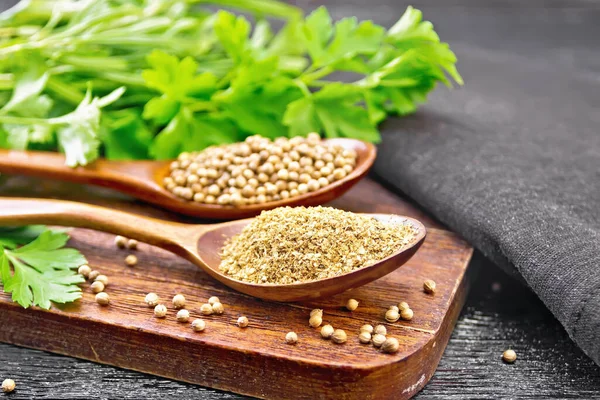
(511, 161)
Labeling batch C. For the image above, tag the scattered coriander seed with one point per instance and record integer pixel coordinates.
(102, 278)
(8, 385)
(392, 315)
(152, 299)
(352, 304)
(315, 321)
(93, 275)
(131, 260)
(183, 315)
(380, 329)
(97, 287)
(407, 314)
(403, 306)
(316, 311)
(291, 338)
(160, 311)
(391, 345)
(198, 325)
(84, 270)
(178, 301)
(429, 286)
(509, 356)
(218, 308)
(242, 322)
(339, 336)
(132, 244)
(364, 337)
(366, 328)
(395, 308)
(120, 242)
(103, 299)
(206, 309)
(213, 300)
(327, 331)
(378, 339)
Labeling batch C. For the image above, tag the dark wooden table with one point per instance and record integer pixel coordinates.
(499, 313)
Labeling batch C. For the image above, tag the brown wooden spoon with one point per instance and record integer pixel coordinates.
(200, 244)
(143, 180)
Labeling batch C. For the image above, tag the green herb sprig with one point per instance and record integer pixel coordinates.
(137, 79)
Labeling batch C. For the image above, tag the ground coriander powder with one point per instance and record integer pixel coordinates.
(291, 245)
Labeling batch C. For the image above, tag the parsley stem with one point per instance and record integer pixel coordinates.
(11, 119)
(320, 73)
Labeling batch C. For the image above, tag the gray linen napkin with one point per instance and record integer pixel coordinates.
(512, 162)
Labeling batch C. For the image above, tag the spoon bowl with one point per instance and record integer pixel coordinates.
(201, 244)
(143, 180)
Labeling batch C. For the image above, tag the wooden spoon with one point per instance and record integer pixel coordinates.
(143, 180)
(200, 244)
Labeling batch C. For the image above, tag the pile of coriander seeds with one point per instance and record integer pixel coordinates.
(258, 170)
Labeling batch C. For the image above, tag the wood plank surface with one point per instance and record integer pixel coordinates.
(256, 360)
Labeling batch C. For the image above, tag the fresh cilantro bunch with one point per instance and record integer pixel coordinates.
(136, 79)
(41, 271)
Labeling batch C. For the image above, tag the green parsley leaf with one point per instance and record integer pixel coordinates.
(42, 271)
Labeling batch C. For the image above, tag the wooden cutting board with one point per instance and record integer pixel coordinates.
(255, 361)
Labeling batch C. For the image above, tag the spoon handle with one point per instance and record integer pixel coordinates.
(165, 234)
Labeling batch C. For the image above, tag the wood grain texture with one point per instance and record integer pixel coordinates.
(256, 360)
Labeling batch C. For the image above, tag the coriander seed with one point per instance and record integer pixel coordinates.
(403, 306)
(213, 300)
(206, 309)
(391, 345)
(509, 356)
(364, 337)
(183, 315)
(315, 321)
(131, 260)
(160, 311)
(97, 287)
(132, 244)
(339, 336)
(366, 328)
(8, 385)
(392, 315)
(198, 325)
(152, 299)
(407, 314)
(316, 311)
(242, 322)
(102, 278)
(327, 331)
(395, 308)
(178, 301)
(120, 242)
(378, 339)
(380, 329)
(429, 286)
(93, 275)
(103, 299)
(84, 270)
(218, 308)
(291, 338)
(352, 304)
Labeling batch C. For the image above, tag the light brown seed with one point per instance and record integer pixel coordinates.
(366, 328)
(315, 321)
(429, 286)
(183, 315)
(291, 338)
(242, 322)
(509, 356)
(378, 339)
(84, 270)
(218, 308)
(160, 311)
(8, 385)
(392, 315)
(352, 304)
(103, 279)
(391, 345)
(339, 336)
(407, 314)
(380, 329)
(131, 260)
(97, 287)
(178, 301)
(198, 325)
(120, 242)
(206, 309)
(364, 337)
(93, 275)
(132, 244)
(395, 308)
(327, 331)
(316, 311)
(214, 299)
(403, 306)
(103, 299)
(152, 299)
